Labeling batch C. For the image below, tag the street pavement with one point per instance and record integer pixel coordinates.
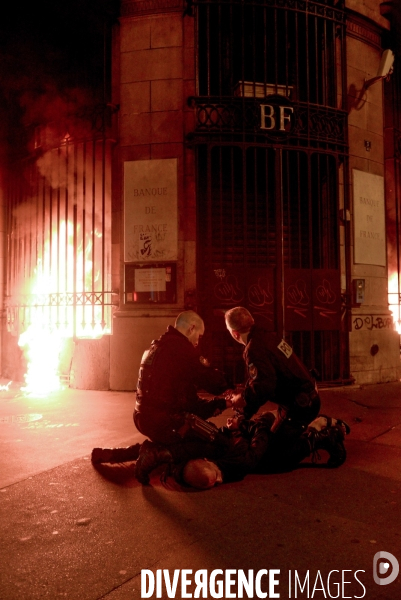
(71, 531)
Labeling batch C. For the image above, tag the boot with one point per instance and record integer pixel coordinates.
(330, 439)
(115, 455)
(150, 457)
(323, 421)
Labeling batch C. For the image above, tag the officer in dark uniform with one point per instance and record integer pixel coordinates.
(170, 375)
(275, 374)
(253, 448)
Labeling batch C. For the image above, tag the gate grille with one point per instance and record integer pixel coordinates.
(268, 197)
(59, 240)
(292, 47)
(268, 236)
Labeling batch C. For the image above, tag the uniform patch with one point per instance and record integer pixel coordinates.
(252, 370)
(285, 348)
(204, 361)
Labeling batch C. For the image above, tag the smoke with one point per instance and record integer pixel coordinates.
(25, 216)
(54, 63)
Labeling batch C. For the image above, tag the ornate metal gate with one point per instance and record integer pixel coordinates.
(271, 150)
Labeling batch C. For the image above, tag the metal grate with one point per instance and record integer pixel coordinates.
(268, 240)
(292, 47)
(59, 239)
(268, 195)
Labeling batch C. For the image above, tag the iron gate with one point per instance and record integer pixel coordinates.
(59, 240)
(268, 231)
(269, 197)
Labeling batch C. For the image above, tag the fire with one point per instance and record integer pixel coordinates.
(51, 327)
(394, 300)
(59, 252)
(42, 347)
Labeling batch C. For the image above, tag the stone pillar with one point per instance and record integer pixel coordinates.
(374, 344)
(156, 65)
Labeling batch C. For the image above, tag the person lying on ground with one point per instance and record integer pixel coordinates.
(324, 433)
(242, 447)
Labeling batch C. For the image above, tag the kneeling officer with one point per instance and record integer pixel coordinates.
(170, 376)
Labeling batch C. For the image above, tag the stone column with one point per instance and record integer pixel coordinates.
(156, 65)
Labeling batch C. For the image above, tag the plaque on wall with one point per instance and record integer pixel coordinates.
(150, 210)
(154, 283)
(369, 219)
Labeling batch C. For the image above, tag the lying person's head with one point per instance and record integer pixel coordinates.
(202, 474)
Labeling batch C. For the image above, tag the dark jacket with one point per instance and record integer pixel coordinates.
(275, 373)
(168, 387)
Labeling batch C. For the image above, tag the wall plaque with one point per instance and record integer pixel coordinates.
(150, 210)
(369, 219)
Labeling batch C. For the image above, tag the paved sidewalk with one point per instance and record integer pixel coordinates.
(70, 531)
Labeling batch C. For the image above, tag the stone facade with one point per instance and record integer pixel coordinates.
(154, 79)
(155, 59)
(374, 345)
(156, 76)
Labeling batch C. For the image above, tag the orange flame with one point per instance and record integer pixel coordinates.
(42, 348)
(51, 326)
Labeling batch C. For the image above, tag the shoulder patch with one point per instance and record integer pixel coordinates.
(204, 361)
(252, 370)
(285, 348)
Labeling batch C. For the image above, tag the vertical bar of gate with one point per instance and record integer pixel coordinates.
(246, 253)
(317, 84)
(66, 207)
(24, 242)
(30, 244)
(252, 48)
(42, 227)
(58, 236)
(36, 269)
(10, 293)
(93, 230)
(220, 52)
(257, 250)
(268, 204)
(208, 53)
(307, 17)
(75, 254)
(276, 76)
(265, 46)
(83, 235)
(103, 322)
(75, 242)
(324, 60)
(241, 28)
(297, 53)
(299, 211)
(311, 232)
(286, 52)
(197, 10)
(209, 214)
(280, 245)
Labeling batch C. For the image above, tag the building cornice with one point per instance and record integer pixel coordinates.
(133, 8)
(363, 30)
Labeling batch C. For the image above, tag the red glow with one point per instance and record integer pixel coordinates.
(45, 338)
(394, 300)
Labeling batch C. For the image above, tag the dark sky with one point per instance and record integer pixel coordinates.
(50, 47)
